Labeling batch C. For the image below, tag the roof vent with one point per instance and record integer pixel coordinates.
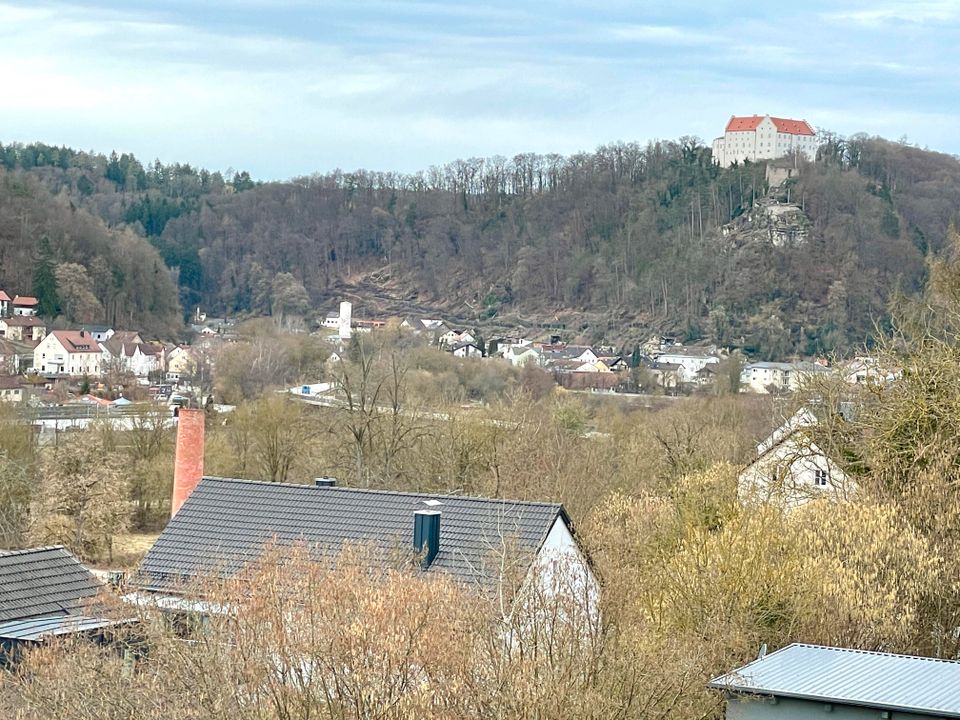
(426, 535)
(325, 482)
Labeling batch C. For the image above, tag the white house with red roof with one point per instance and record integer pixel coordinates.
(5, 301)
(25, 305)
(69, 352)
(762, 137)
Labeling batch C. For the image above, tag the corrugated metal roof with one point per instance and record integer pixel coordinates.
(43, 581)
(36, 629)
(883, 681)
(225, 524)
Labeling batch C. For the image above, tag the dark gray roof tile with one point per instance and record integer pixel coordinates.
(226, 523)
(43, 581)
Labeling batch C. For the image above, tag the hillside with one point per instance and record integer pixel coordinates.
(79, 269)
(617, 243)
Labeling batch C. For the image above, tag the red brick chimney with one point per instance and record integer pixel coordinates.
(188, 467)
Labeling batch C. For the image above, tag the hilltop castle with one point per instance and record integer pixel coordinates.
(761, 137)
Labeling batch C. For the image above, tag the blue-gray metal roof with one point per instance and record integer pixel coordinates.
(225, 524)
(39, 628)
(926, 686)
(43, 581)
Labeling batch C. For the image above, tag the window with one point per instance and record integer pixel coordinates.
(821, 478)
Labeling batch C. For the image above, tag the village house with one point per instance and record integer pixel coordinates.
(791, 468)
(767, 377)
(467, 350)
(139, 358)
(46, 593)
(763, 137)
(690, 360)
(811, 681)
(68, 352)
(100, 333)
(522, 355)
(219, 525)
(181, 362)
(5, 304)
(25, 328)
(14, 389)
(25, 305)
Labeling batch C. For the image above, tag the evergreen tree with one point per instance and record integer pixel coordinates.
(44, 279)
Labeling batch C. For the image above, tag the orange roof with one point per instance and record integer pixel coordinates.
(4, 297)
(77, 341)
(784, 125)
(25, 300)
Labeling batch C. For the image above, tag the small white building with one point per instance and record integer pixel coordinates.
(467, 350)
(25, 305)
(791, 468)
(69, 352)
(690, 360)
(761, 137)
(522, 355)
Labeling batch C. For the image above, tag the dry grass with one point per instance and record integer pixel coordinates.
(128, 550)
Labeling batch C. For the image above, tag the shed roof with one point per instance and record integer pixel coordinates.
(36, 629)
(225, 524)
(900, 683)
(43, 581)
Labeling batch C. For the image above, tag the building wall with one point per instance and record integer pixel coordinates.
(753, 708)
(788, 473)
(764, 143)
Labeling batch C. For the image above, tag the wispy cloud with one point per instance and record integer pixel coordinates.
(293, 86)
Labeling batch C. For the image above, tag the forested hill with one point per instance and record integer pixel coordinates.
(652, 237)
(79, 269)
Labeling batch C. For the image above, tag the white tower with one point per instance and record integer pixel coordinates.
(346, 310)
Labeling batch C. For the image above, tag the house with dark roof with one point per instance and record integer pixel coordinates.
(44, 593)
(812, 681)
(226, 523)
(220, 526)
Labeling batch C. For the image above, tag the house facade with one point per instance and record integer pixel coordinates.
(25, 305)
(690, 361)
(791, 468)
(25, 328)
(766, 377)
(762, 137)
(69, 352)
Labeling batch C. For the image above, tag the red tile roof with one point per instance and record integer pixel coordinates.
(793, 127)
(4, 297)
(22, 321)
(76, 341)
(750, 123)
(25, 300)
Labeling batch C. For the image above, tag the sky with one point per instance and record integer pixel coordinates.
(285, 88)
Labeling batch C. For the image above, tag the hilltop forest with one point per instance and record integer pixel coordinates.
(635, 234)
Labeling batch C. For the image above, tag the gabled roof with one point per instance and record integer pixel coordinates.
(25, 300)
(225, 524)
(882, 681)
(43, 581)
(23, 321)
(77, 341)
(4, 297)
(783, 125)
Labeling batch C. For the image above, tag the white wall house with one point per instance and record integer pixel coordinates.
(25, 305)
(522, 355)
(791, 469)
(761, 137)
(765, 377)
(69, 352)
(690, 362)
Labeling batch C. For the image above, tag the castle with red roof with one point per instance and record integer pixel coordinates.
(761, 137)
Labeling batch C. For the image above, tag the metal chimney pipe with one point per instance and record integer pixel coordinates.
(188, 468)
